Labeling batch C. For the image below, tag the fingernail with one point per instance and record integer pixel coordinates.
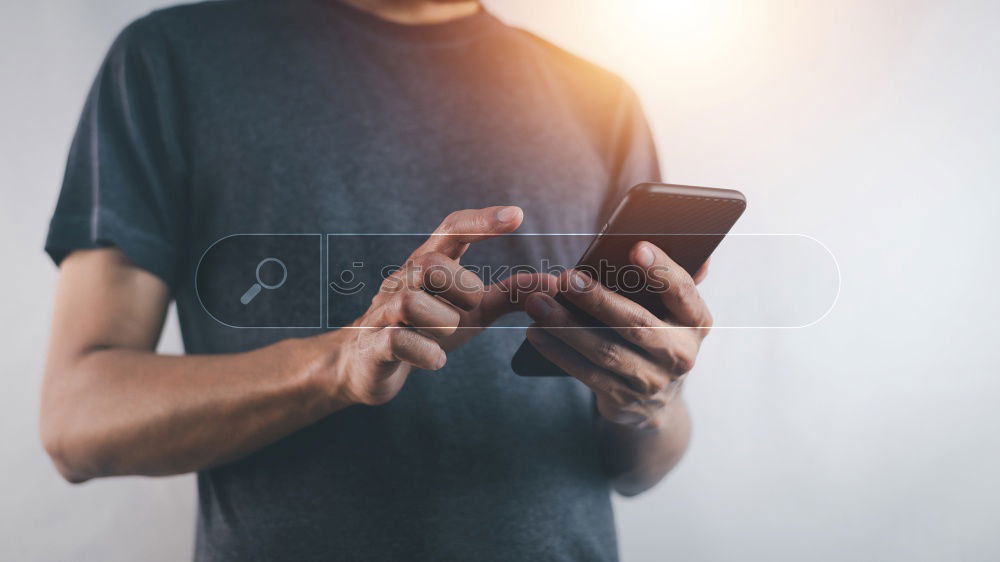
(441, 361)
(508, 214)
(644, 256)
(539, 307)
(579, 281)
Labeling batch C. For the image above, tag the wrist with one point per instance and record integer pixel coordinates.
(319, 361)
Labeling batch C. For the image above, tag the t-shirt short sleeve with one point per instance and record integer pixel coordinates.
(125, 181)
(634, 157)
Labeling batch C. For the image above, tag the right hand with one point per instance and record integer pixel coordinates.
(429, 306)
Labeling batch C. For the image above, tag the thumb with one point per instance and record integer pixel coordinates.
(674, 285)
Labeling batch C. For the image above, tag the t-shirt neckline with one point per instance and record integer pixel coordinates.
(446, 32)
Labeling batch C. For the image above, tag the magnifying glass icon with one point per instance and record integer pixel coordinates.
(254, 289)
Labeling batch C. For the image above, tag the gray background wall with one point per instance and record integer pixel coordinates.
(870, 125)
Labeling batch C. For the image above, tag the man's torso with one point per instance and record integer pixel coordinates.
(305, 117)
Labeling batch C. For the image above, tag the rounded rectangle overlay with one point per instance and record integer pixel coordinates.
(281, 280)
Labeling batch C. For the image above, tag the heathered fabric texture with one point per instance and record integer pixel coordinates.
(306, 116)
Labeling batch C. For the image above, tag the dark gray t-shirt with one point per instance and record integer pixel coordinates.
(308, 117)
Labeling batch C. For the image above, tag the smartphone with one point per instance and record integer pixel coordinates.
(686, 222)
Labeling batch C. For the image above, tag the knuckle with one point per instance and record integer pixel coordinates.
(707, 321)
(640, 330)
(681, 362)
(423, 261)
(659, 278)
(451, 221)
(608, 355)
(639, 384)
(433, 271)
(381, 314)
(656, 386)
(599, 383)
(686, 293)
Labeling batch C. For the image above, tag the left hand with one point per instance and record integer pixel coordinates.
(637, 366)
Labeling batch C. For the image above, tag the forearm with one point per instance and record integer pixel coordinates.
(636, 459)
(120, 411)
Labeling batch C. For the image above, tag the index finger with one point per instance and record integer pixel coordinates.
(461, 228)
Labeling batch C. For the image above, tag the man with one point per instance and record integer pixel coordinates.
(405, 116)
